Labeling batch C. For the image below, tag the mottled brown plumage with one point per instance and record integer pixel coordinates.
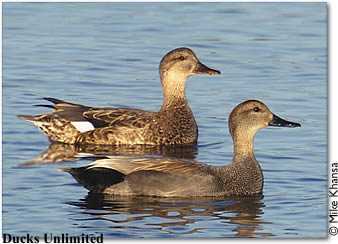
(173, 124)
(167, 177)
(58, 152)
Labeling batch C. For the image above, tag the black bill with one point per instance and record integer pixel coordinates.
(277, 121)
(203, 69)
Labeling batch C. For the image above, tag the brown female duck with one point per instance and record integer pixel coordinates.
(174, 124)
(187, 178)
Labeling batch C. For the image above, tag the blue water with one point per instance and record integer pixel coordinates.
(108, 55)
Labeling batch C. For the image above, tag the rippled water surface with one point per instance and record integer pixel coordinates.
(108, 55)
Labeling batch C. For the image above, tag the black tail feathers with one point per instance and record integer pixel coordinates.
(95, 179)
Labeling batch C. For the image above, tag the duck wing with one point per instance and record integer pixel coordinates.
(66, 110)
(68, 120)
(145, 176)
(98, 117)
(103, 117)
(128, 165)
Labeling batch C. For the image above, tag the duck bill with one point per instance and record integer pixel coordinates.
(203, 69)
(279, 122)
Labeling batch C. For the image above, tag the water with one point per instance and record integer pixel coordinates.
(108, 55)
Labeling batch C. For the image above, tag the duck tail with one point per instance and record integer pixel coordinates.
(57, 129)
(95, 179)
(30, 118)
(64, 124)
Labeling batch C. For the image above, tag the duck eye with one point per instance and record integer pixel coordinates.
(181, 58)
(256, 109)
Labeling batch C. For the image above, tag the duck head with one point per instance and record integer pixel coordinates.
(178, 64)
(252, 115)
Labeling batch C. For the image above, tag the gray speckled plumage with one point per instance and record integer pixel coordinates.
(173, 124)
(167, 177)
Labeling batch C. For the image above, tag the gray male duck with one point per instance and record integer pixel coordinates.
(174, 124)
(165, 177)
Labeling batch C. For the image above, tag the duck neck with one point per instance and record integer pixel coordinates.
(245, 172)
(243, 145)
(173, 94)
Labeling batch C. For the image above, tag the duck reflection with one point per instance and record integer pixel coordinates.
(60, 152)
(240, 217)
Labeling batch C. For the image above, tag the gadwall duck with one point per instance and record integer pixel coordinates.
(187, 178)
(174, 124)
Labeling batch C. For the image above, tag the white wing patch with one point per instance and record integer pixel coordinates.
(83, 126)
